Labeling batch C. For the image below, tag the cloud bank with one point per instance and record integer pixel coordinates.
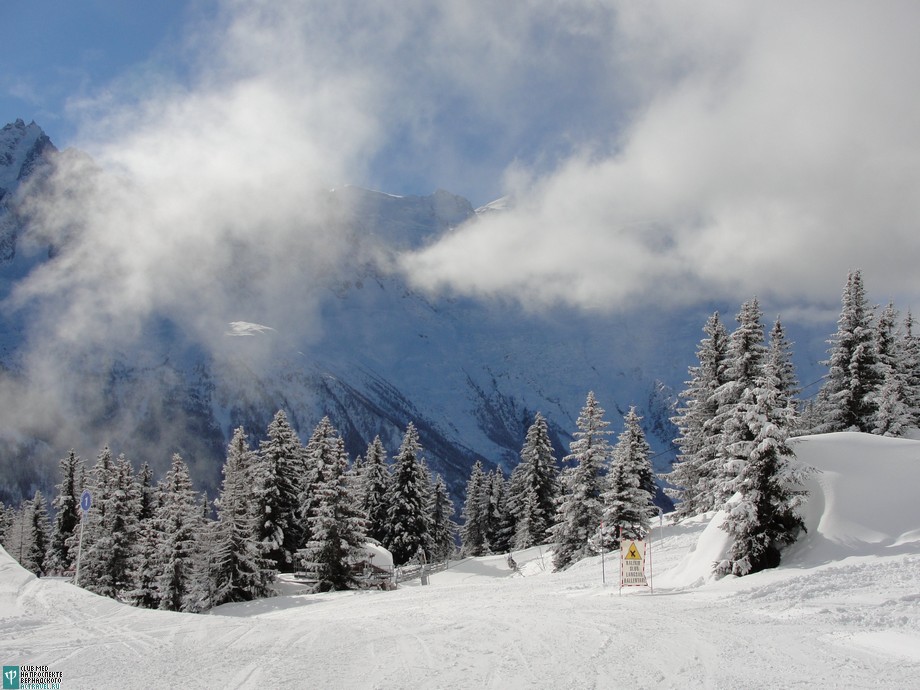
(657, 153)
(768, 149)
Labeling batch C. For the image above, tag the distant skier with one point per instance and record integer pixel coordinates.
(512, 563)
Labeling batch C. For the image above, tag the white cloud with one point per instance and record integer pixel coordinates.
(205, 200)
(770, 148)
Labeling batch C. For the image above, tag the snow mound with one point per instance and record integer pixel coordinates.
(862, 498)
(861, 503)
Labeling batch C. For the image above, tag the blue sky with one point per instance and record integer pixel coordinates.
(56, 50)
(659, 153)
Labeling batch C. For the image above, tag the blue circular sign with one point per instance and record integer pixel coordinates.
(86, 500)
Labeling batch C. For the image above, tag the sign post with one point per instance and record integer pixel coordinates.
(600, 541)
(632, 563)
(86, 502)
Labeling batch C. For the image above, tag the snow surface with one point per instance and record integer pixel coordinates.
(245, 328)
(842, 611)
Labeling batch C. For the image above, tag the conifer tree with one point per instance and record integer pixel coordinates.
(201, 592)
(779, 360)
(534, 487)
(240, 570)
(443, 527)
(745, 361)
(846, 399)
(893, 415)
(66, 504)
(336, 526)
(630, 490)
(909, 365)
(277, 489)
(6, 517)
(16, 531)
(766, 479)
(581, 508)
(145, 566)
(887, 341)
(178, 518)
(37, 517)
(111, 524)
(475, 514)
(375, 486)
(499, 531)
(700, 435)
(409, 526)
(147, 493)
(320, 447)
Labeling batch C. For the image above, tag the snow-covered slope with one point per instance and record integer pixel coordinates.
(843, 611)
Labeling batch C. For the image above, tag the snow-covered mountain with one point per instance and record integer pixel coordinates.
(469, 373)
(23, 150)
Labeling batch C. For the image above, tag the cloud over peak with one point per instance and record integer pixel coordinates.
(768, 150)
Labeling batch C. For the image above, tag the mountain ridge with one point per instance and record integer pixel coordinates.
(469, 373)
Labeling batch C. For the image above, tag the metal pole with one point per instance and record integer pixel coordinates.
(76, 577)
(651, 570)
(600, 541)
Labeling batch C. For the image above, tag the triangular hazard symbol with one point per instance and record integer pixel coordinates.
(633, 553)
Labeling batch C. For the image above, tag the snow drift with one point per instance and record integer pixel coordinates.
(862, 496)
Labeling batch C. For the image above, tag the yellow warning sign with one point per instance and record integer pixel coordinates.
(632, 563)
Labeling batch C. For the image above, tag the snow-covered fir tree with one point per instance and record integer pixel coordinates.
(111, 526)
(375, 486)
(277, 477)
(766, 480)
(887, 340)
(16, 532)
(147, 493)
(240, 570)
(779, 360)
(426, 482)
(893, 415)
(700, 436)
(66, 504)
(144, 566)
(475, 514)
(443, 527)
(201, 593)
(744, 364)
(6, 517)
(846, 399)
(534, 487)
(581, 507)
(336, 526)
(178, 518)
(36, 556)
(499, 529)
(320, 447)
(910, 368)
(409, 525)
(628, 499)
